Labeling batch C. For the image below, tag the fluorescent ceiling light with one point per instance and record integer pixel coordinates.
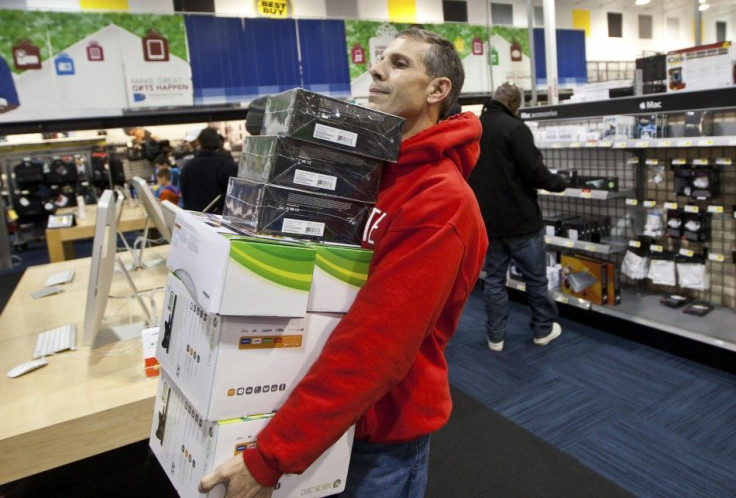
(642, 2)
(703, 6)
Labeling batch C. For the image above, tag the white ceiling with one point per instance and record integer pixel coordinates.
(717, 7)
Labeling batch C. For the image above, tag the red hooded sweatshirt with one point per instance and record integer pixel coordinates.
(384, 367)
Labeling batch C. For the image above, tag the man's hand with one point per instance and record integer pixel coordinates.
(238, 480)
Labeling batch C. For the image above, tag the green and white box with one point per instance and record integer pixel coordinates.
(189, 446)
(240, 275)
(339, 273)
(233, 366)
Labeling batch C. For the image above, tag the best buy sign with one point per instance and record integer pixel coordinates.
(273, 8)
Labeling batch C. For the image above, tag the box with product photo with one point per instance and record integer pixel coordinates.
(584, 278)
(335, 123)
(188, 447)
(236, 274)
(339, 273)
(306, 166)
(276, 210)
(232, 366)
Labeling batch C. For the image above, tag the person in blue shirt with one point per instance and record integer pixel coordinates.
(8, 94)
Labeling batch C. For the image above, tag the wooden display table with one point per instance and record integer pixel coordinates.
(84, 402)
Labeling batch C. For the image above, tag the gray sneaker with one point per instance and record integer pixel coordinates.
(495, 346)
(553, 334)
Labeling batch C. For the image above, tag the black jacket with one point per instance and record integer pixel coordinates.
(204, 177)
(508, 173)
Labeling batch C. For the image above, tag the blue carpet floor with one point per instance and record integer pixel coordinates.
(656, 424)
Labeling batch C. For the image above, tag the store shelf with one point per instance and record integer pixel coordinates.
(655, 143)
(585, 193)
(716, 328)
(557, 296)
(611, 247)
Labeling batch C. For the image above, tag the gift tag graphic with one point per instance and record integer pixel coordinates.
(95, 52)
(64, 65)
(26, 55)
(155, 47)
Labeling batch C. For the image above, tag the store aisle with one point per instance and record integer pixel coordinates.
(652, 422)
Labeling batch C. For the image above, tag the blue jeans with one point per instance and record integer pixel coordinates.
(388, 470)
(529, 253)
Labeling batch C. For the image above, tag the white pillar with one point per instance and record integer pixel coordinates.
(550, 42)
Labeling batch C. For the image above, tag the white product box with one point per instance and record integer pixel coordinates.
(235, 274)
(339, 273)
(188, 447)
(233, 366)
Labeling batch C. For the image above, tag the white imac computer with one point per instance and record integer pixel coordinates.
(97, 330)
(170, 211)
(155, 215)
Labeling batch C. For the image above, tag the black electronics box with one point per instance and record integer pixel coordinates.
(587, 229)
(609, 183)
(554, 223)
(305, 166)
(698, 308)
(698, 124)
(570, 175)
(278, 210)
(682, 180)
(673, 300)
(674, 223)
(334, 123)
(696, 226)
(705, 183)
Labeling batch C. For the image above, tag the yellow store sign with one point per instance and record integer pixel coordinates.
(274, 8)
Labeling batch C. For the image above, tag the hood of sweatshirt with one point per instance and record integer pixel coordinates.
(456, 138)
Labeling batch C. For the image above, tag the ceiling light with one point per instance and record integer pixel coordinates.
(642, 2)
(703, 6)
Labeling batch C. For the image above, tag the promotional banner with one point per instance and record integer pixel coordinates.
(64, 65)
(702, 67)
(507, 54)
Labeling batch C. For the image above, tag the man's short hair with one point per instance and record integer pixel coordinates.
(209, 139)
(441, 59)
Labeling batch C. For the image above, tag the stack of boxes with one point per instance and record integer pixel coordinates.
(314, 170)
(247, 311)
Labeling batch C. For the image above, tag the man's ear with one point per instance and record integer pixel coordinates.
(439, 90)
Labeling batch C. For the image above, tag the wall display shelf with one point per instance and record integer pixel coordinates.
(656, 181)
(586, 193)
(582, 245)
(556, 295)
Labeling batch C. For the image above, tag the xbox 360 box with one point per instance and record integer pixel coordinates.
(188, 447)
(339, 273)
(235, 274)
(273, 209)
(306, 166)
(233, 366)
(334, 123)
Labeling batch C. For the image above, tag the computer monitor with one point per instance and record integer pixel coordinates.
(97, 331)
(170, 211)
(155, 215)
(152, 207)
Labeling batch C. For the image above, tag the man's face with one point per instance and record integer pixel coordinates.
(400, 81)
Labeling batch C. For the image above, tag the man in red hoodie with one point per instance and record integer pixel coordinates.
(383, 368)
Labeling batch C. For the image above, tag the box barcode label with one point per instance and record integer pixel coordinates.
(310, 179)
(335, 135)
(302, 227)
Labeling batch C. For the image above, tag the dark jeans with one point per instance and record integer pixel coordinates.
(388, 470)
(529, 253)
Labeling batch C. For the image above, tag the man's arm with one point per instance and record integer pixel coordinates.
(530, 163)
(367, 355)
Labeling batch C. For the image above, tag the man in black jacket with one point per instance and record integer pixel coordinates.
(505, 181)
(205, 177)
